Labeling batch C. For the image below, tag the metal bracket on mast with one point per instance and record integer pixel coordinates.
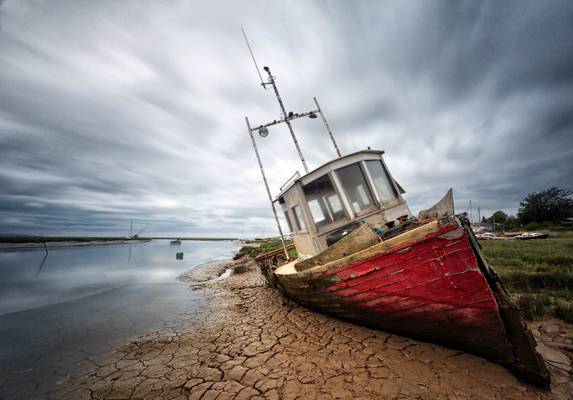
(290, 117)
(286, 118)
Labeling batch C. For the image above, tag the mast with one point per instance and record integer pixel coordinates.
(285, 116)
(327, 128)
(471, 212)
(267, 187)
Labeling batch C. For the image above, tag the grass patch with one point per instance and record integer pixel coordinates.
(565, 312)
(534, 266)
(548, 226)
(256, 247)
(539, 271)
(566, 233)
(534, 307)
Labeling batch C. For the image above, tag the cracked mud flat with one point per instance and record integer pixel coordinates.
(252, 343)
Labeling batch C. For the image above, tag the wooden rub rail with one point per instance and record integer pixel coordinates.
(273, 253)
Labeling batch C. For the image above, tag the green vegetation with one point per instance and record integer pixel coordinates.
(553, 205)
(534, 307)
(502, 221)
(565, 312)
(539, 271)
(533, 265)
(260, 246)
(547, 226)
(499, 216)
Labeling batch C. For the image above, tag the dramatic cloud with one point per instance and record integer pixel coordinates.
(113, 111)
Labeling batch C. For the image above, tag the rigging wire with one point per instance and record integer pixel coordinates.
(253, 57)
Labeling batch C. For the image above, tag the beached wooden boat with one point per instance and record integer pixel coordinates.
(364, 258)
(430, 283)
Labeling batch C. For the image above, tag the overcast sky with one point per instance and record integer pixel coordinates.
(119, 110)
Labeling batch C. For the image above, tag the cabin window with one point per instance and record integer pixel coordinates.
(316, 211)
(323, 201)
(381, 180)
(298, 219)
(288, 221)
(355, 187)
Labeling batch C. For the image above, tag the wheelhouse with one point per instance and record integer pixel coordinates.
(321, 205)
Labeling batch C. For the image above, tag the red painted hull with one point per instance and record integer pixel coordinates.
(433, 289)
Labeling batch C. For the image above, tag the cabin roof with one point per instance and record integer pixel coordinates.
(325, 167)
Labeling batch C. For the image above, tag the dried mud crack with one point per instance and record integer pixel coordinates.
(251, 343)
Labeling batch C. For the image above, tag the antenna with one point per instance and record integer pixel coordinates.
(253, 57)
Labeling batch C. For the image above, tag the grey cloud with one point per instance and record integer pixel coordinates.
(118, 111)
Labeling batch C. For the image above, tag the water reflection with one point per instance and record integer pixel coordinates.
(29, 279)
(77, 301)
(42, 263)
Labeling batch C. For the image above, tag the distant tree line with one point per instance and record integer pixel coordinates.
(552, 206)
(503, 220)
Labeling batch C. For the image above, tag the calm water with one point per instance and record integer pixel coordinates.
(81, 301)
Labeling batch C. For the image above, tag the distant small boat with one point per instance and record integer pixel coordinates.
(485, 236)
(532, 235)
(176, 242)
(490, 236)
(512, 234)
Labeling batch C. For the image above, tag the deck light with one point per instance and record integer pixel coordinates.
(312, 115)
(263, 132)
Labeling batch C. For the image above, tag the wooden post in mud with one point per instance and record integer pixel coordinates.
(267, 187)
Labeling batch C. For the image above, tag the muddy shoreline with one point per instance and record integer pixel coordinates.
(250, 342)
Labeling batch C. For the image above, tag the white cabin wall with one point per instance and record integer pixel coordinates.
(313, 240)
(397, 211)
(303, 240)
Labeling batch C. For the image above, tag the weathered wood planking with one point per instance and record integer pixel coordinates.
(427, 283)
(360, 239)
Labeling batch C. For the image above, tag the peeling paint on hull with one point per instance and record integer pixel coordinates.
(432, 289)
